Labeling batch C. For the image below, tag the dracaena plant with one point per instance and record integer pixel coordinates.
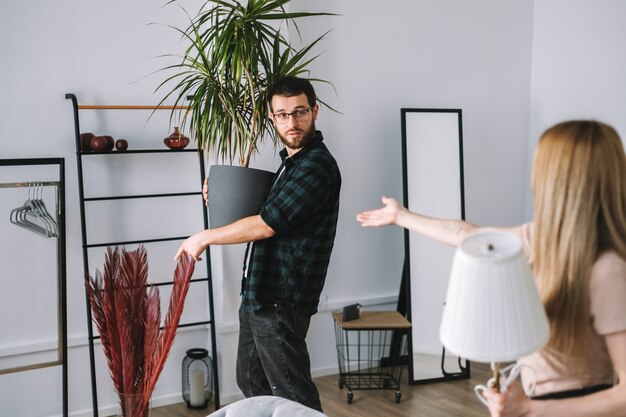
(127, 314)
(235, 53)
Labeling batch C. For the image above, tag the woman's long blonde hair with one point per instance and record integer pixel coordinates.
(578, 183)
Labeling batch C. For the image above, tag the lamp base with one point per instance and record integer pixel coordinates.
(494, 383)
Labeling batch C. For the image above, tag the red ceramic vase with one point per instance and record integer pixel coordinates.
(176, 140)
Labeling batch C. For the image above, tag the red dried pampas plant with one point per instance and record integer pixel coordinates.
(127, 313)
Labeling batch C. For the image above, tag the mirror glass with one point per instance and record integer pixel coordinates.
(432, 148)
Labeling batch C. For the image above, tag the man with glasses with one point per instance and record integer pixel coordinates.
(285, 268)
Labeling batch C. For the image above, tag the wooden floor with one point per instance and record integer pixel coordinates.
(441, 399)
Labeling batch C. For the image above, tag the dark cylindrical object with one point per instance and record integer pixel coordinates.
(85, 139)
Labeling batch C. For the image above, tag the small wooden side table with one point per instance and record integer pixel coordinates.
(371, 351)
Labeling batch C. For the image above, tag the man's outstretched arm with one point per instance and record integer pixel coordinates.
(248, 229)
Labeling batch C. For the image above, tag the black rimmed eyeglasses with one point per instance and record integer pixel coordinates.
(301, 115)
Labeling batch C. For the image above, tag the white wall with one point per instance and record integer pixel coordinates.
(578, 66)
(477, 56)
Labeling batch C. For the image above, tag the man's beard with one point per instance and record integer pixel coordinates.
(304, 140)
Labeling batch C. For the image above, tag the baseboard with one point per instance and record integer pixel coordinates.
(110, 410)
(319, 372)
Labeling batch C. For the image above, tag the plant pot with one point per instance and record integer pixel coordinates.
(236, 192)
(134, 405)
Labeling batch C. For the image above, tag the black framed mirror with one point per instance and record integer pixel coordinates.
(432, 174)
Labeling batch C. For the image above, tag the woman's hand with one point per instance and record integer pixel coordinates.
(448, 231)
(205, 191)
(511, 403)
(383, 216)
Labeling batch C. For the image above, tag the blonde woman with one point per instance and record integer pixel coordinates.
(577, 248)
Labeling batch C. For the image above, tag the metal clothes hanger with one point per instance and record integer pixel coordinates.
(33, 214)
(43, 210)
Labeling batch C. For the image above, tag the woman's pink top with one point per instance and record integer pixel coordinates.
(607, 289)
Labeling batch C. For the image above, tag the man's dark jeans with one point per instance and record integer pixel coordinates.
(272, 358)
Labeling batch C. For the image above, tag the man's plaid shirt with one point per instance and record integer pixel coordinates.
(302, 208)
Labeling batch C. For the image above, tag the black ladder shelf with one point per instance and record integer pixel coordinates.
(86, 245)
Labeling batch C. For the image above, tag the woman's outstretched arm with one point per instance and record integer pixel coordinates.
(448, 231)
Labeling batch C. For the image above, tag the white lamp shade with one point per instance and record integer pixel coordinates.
(493, 312)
